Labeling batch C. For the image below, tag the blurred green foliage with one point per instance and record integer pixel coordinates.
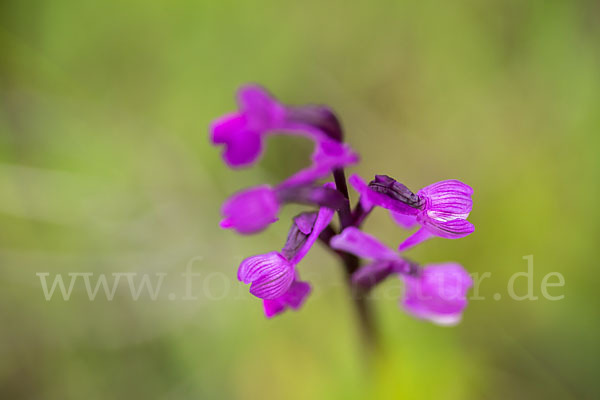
(106, 167)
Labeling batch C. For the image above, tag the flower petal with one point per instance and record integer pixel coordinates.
(243, 146)
(449, 197)
(438, 294)
(262, 111)
(327, 156)
(452, 229)
(271, 275)
(323, 219)
(361, 244)
(419, 236)
(305, 222)
(293, 298)
(405, 221)
(251, 210)
(299, 231)
(334, 154)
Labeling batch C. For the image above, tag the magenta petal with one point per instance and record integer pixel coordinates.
(243, 146)
(323, 219)
(438, 294)
(419, 236)
(251, 210)
(448, 197)
(305, 222)
(298, 233)
(263, 112)
(271, 275)
(261, 115)
(293, 298)
(405, 221)
(332, 153)
(354, 241)
(296, 294)
(452, 229)
(327, 156)
(273, 307)
(306, 176)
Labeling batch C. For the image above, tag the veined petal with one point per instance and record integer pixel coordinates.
(293, 298)
(271, 275)
(251, 210)
(242, 146)
(419, 236)
(449, 229)
(449, 197)
(361, 244)
(438, 294)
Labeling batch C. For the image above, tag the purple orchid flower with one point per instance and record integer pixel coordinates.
(273, 276)
(441, 208)
(438, 294)
(242, 133)
(435, 292)
(253, 209)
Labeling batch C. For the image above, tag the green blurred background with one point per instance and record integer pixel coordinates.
(105, 167)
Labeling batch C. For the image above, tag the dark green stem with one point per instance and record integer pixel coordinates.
(351, 264)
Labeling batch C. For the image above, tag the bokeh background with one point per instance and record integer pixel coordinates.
(106, 168)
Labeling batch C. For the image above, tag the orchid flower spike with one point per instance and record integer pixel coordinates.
(273, 276)
(242, 132)
(441, 209)
(435, 292)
